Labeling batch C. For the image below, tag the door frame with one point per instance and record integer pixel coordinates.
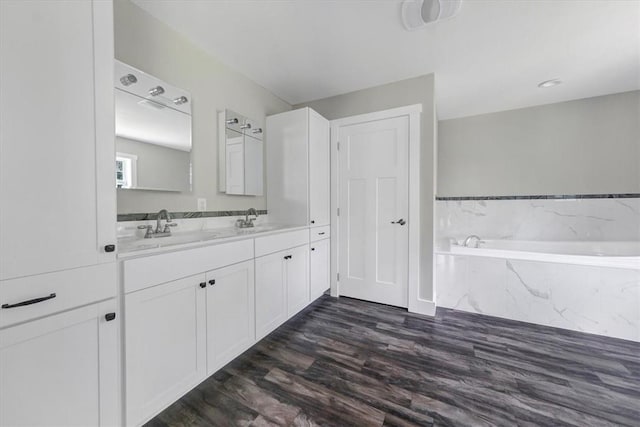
(413, 112)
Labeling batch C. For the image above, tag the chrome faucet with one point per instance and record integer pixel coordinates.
(247, 222)
(159, 231)
(468, 240)
(167, 216)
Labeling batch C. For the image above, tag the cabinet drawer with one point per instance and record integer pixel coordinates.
(153, 270)
(72, 288)
(278, 242)
(318, 233)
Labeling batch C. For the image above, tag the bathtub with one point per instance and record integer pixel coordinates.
(591, 287)
(595, 253)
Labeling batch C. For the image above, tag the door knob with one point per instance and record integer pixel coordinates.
(400, 221)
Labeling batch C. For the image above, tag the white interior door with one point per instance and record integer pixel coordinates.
(373, 198)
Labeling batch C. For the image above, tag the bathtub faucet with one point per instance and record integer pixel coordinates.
(468, 240)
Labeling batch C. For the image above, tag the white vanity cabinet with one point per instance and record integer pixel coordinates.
(282, 287)
(298, 168)
(282, 278)
(62, 370)
(297, 278)
(165, 345)
(271, 293)
(190, 312)
(230, 313)
(319, 267)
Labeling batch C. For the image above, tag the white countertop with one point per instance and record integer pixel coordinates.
(129, 247)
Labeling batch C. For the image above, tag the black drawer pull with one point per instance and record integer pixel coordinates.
(212, 282)
(288, 257)
(29, 302)
(109, 317)
(313, 222)
(320, 234)
(110, 248)
(203, 284)
(313, 249)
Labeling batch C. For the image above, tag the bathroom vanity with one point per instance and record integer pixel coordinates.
(191, 307)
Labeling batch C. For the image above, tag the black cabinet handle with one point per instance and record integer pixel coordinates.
(203, 284)
(212, 282)
(313, 249)
(110, 248)
(320, 234)
(288, 256)
(109, 317)
(313, 222)
(400, 221)
(29, 302)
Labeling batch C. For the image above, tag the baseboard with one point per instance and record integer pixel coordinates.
(423, 306)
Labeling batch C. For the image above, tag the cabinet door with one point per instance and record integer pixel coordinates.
(61, 370)
(287, 151)
(230, 313)
(253, 170)
(318, 169)
(319, 268)
(297, 273)
(56, 127)
(235, 168)
(271, 293)
(165, 334)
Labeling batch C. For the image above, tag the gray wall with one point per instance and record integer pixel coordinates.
(419, 90)
(148, 44)
(586, 146)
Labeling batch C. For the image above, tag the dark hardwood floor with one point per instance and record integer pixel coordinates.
(348, 362)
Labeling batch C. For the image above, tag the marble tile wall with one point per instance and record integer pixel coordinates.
(597, 300)
(540, 219)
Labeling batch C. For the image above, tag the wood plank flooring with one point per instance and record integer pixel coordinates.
(344, 362)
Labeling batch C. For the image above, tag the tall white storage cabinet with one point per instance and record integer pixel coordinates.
(298, 168)
(298, 192)
(58, 337)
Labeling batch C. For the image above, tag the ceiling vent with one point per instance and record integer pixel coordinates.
(417, 14)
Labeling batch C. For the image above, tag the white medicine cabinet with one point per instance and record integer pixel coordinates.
(240, 155)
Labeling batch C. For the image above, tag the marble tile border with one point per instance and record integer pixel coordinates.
(541, 197)
(182, 215)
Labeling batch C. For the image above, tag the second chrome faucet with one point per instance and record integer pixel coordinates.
(247, 222)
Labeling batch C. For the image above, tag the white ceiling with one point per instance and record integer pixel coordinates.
(490, 57)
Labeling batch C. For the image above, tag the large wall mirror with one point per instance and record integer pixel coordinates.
(153, 132)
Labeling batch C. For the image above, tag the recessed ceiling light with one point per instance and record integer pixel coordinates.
(550, 83)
